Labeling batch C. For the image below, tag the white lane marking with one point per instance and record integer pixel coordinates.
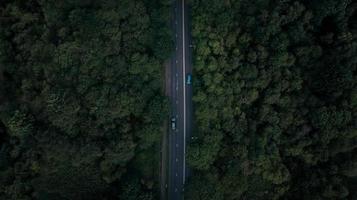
(176, 88)
(176, 174)
(176, 75)
(184, 90)
(176, 160)
(176, 102)
(176, 35)
(176, 145)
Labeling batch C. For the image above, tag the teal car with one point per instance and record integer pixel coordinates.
(189, 79)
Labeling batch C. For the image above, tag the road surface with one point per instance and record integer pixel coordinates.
(181, 102)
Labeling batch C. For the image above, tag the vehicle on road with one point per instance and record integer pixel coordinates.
(188, 79)
(173, 123)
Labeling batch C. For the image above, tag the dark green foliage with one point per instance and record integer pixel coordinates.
(81, 97)
(275, 100)
(68, 182)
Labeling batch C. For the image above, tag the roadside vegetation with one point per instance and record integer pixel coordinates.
(81, 98)
(275, 100)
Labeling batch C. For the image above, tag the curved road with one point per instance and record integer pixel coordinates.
(181, 103)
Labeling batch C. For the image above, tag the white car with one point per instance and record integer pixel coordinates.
(173, 123)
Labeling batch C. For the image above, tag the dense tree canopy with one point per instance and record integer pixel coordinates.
(82, 106)
(275, 100)
(81, 100)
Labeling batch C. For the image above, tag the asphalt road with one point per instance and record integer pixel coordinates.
(181, 103)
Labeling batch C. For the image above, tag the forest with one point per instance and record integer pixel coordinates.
(81, 98)
(82, 105)
(275, 97)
